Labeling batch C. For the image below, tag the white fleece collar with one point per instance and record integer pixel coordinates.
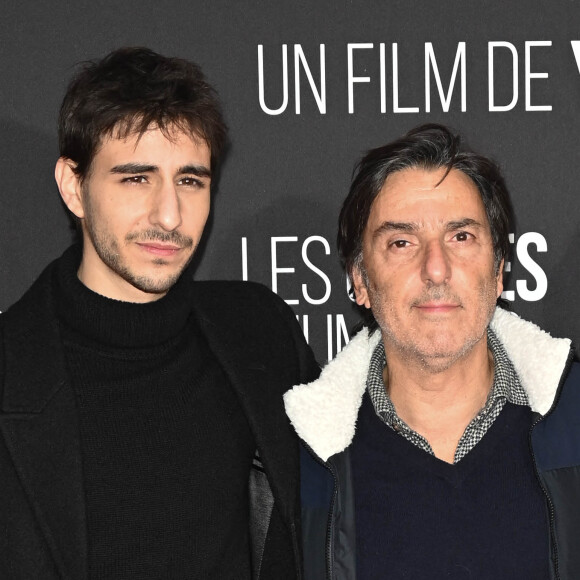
(324, 412)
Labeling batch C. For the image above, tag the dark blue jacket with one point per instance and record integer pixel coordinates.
(324, 414)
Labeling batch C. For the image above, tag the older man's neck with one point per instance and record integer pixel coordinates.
(439, 403)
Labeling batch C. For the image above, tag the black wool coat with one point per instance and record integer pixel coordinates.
(259, 344)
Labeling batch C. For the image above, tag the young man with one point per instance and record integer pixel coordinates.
(142, 430)
(443, 441)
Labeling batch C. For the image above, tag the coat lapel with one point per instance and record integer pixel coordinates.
(39, 423)
(257, 368)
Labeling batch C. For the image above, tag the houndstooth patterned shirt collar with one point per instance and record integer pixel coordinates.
(506, 387)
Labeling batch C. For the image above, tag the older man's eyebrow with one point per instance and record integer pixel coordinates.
(462, 223)
(387, 226)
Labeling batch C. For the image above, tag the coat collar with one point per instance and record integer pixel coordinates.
(34, 365)
(324, 412)
(38, 421)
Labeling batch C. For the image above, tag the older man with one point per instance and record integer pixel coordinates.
(443, 442)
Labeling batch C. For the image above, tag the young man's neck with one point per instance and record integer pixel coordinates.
(439, 404)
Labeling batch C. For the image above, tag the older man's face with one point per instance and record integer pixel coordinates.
(428, 266)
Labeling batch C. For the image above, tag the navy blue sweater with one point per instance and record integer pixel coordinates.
(419, 517)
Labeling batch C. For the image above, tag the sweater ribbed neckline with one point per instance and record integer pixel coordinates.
(115, 323)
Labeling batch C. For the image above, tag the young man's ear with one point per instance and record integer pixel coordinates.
(360, 289)
(69, 186)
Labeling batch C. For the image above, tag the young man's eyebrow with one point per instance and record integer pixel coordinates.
(199, 170)
(134, 168)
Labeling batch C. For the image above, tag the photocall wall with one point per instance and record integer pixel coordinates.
(307, 88)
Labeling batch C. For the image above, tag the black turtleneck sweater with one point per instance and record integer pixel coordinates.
(166, 448)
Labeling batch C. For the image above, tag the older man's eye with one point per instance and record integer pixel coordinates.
(462, 236)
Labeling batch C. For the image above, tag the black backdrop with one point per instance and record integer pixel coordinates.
(275, 211)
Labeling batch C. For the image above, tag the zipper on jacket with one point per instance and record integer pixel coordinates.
(551, 509)
(329, 536)
(297, 552)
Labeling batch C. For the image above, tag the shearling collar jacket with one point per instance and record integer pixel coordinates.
(324, 414)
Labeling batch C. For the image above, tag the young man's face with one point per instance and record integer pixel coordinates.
(143, 208)
(431, 280)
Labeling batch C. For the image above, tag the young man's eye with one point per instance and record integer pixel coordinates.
(134, 179)
(191, 182)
